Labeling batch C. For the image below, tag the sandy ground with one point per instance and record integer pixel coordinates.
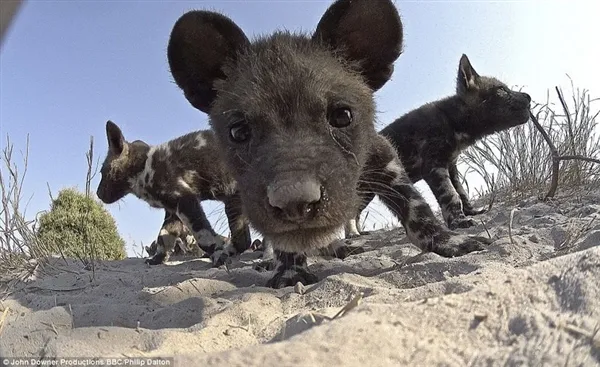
(531, 301)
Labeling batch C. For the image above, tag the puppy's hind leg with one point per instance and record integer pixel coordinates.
(190, 212)
(160, 249)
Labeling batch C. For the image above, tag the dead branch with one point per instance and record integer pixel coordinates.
(554, 153)
(50, 192)
(556, 157)
(578, 157)
(90, 174)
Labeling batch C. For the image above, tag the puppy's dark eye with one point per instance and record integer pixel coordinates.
(340, 117)
(239, 132)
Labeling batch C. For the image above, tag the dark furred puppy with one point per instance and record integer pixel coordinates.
(430, 138)
(295, 117)
(176, 176)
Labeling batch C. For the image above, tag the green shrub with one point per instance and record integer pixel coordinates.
(79, 227)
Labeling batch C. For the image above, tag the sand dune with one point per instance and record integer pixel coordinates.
(533, 300)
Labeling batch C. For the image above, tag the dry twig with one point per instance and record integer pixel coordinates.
(510, 222)
(354, 302)
(2, 318)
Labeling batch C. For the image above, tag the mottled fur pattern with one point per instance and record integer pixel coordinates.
(295, 117)
(430, 138)
(176, 176)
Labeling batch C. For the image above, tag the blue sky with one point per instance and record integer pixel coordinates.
(68, 66)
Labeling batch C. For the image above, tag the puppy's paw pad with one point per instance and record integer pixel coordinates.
(219, 258)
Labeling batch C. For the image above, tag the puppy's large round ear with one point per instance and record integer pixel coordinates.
(116, 140)
(467, 78)
(199, 45)
(366, 31)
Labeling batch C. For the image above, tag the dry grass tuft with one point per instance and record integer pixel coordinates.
(17, 233)
(22, 253)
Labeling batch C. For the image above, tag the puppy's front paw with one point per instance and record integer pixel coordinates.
(461, 222)
(157, 259)
(291, 276)
(222, 253)
(219, 258)
(472, 211)
(151, 250)
(208, 250)
(350, 236)
(223, 256)
(264, 265)
(257, 245)
(451, 244)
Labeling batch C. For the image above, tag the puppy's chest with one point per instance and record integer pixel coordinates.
(461, 142)
(147, 193)
(150, 187)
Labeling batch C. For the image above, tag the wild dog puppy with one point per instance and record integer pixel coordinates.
(184, 240)
(294, 115)
(176, 176)
(430, 138)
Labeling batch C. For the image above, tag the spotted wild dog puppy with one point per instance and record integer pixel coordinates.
(430, 138)
(175, 230)
(176, 176)
(295, 115)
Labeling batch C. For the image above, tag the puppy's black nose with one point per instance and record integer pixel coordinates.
(296, 200)
(527, 97)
